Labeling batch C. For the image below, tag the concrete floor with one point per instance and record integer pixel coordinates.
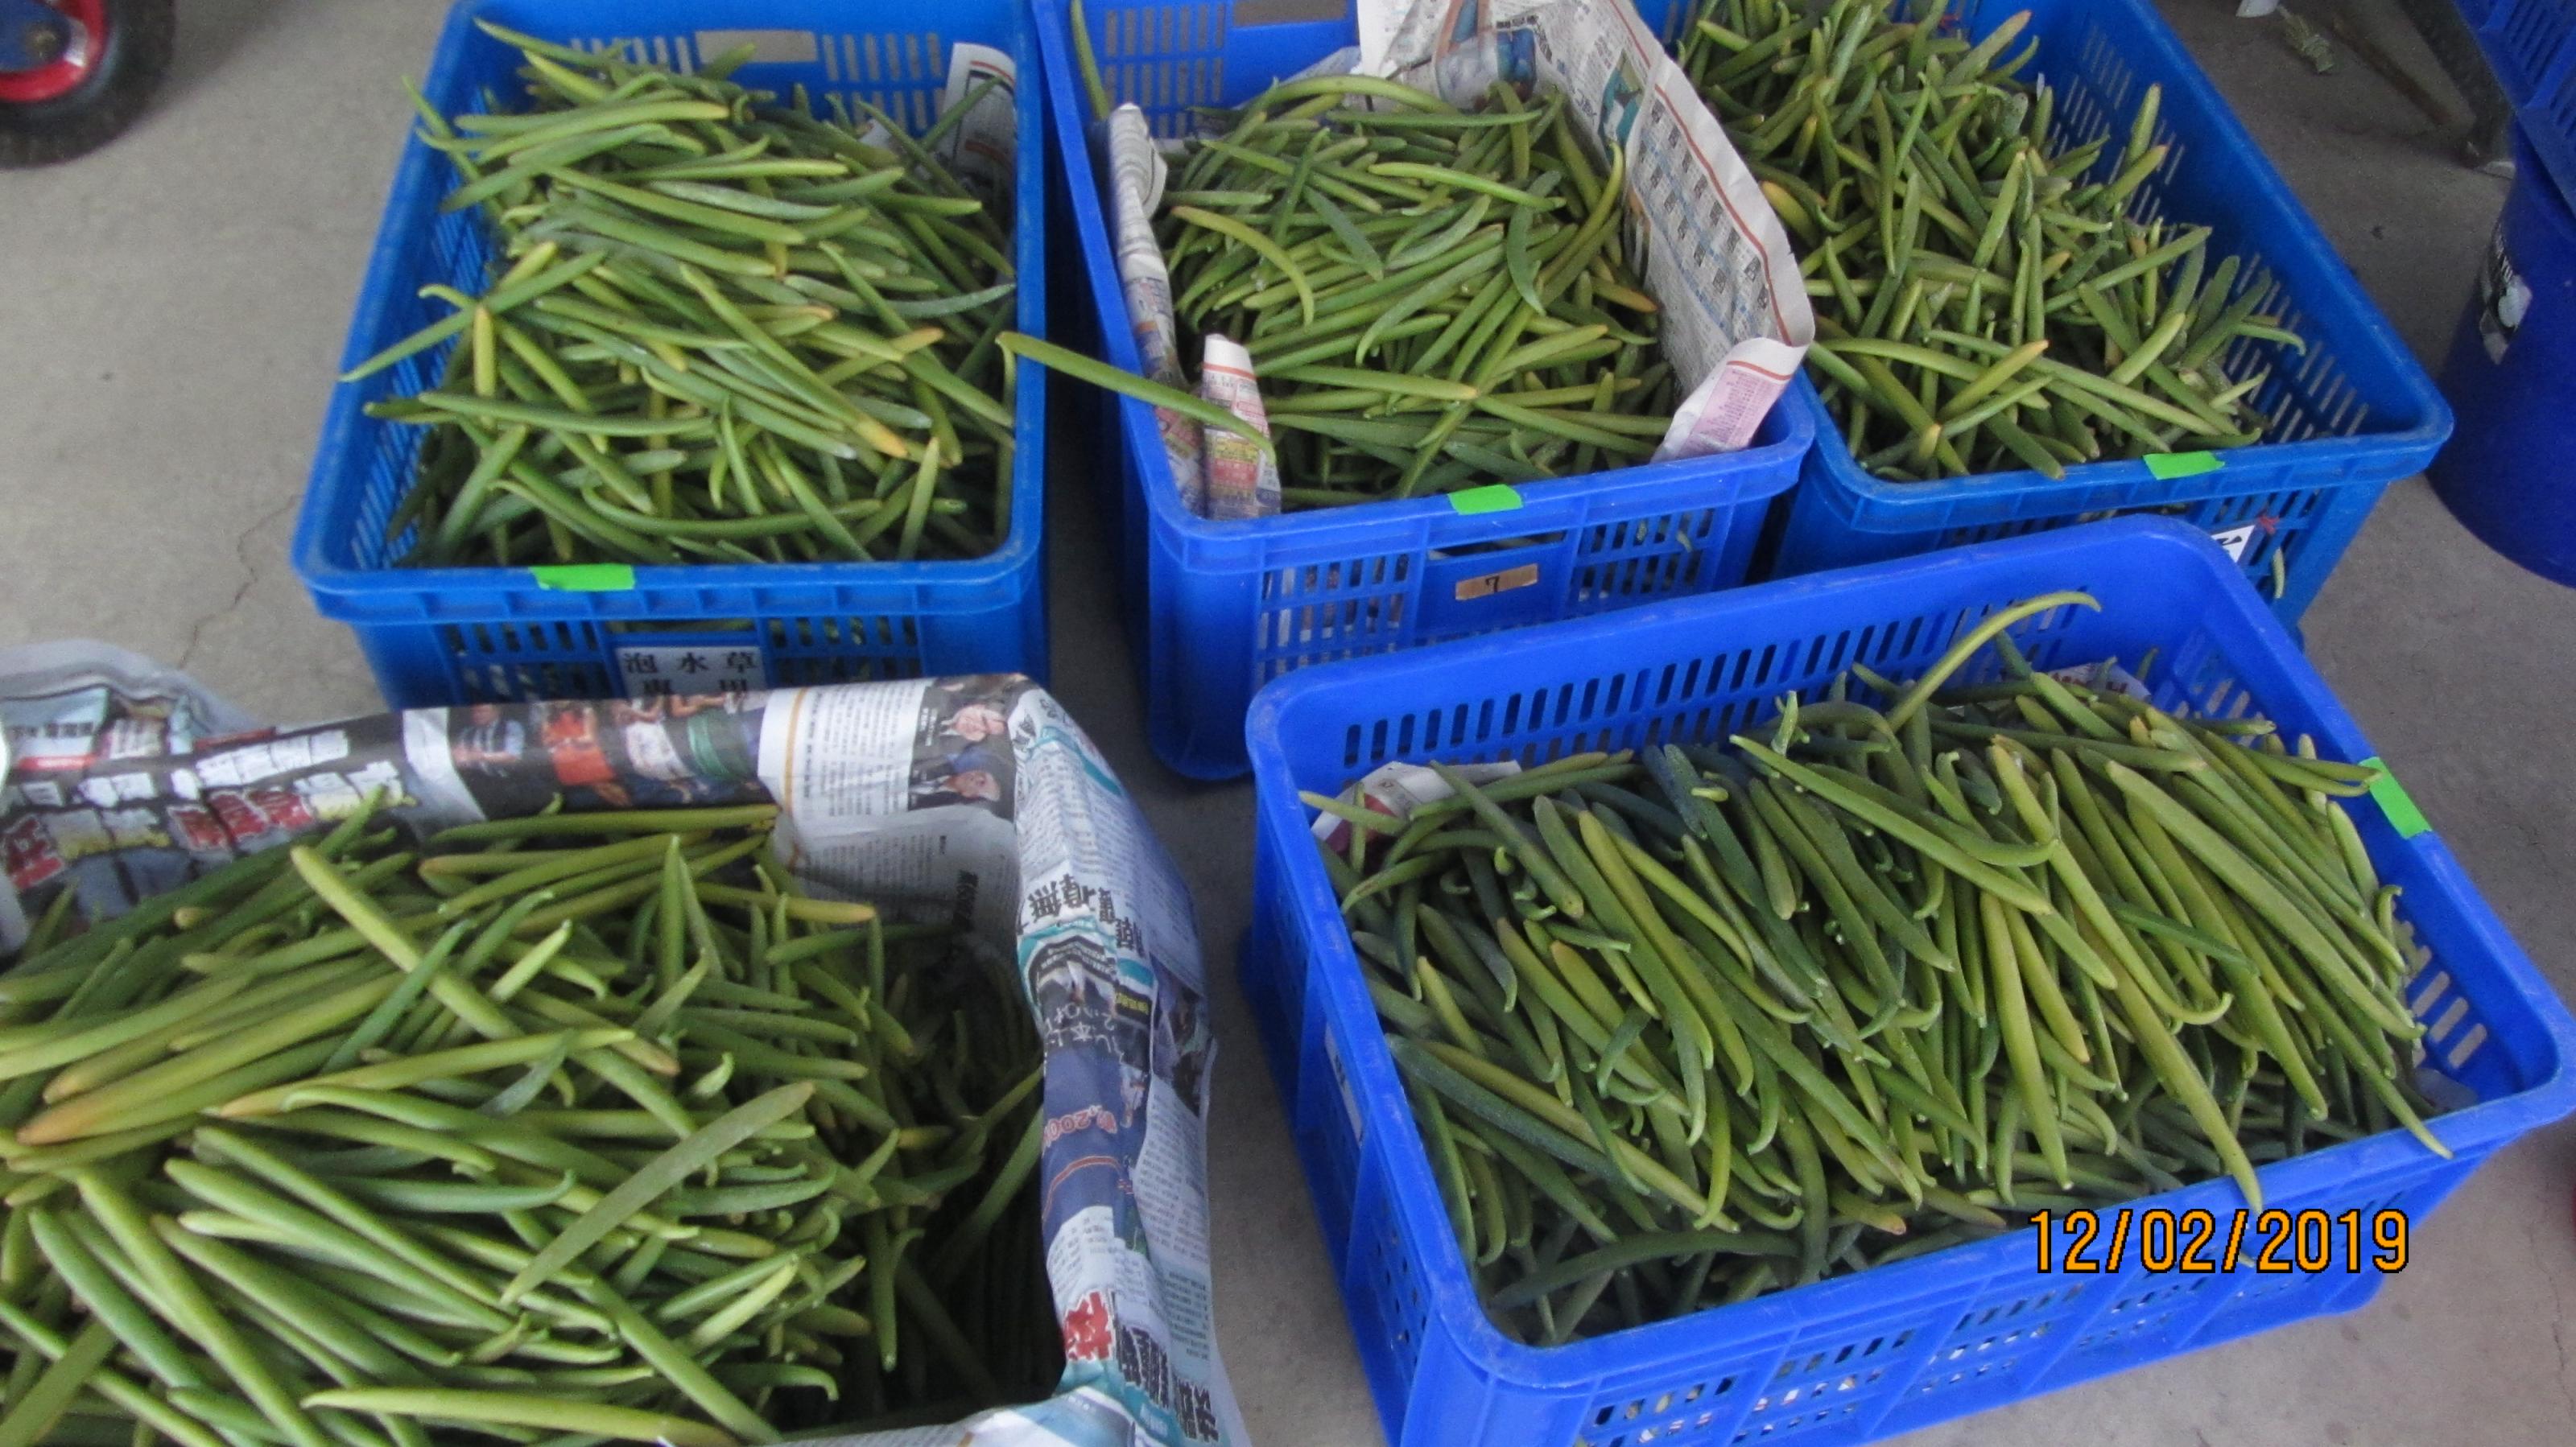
(174, 306)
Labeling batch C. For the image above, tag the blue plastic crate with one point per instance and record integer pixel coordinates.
(1219, 608)
(2523, 39)
(2352, 414)
(1865, 1356)
(2527, 45)
(460, 635)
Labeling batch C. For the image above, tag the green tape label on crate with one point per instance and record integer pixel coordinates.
(586, 577)
(1494, 497)
(2169, 465)
(2394, 801)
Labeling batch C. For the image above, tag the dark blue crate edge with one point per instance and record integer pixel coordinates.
(1872, 504)
(1757, 474)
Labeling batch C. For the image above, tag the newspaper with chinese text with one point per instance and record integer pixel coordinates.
(974, 800)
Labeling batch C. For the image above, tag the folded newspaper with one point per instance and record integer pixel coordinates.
(973, 800)
(1736, 321)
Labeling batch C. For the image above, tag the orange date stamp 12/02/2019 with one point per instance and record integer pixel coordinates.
(2093, 1243)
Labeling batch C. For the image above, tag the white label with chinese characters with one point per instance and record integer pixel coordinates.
(2236, 540)
(659, 671)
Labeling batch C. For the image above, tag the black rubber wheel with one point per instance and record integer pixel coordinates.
(141, 37)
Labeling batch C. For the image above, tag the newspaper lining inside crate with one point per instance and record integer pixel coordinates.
(1735, 315)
